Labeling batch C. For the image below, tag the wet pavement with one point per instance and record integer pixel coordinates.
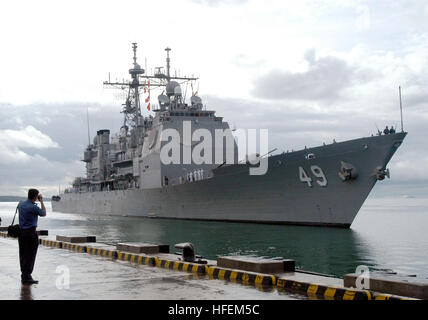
(95, 277)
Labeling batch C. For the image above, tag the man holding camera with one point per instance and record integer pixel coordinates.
(28, 239)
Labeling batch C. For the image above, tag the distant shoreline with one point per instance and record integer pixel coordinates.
(15, 199)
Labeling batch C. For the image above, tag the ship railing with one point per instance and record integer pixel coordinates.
(185, 179)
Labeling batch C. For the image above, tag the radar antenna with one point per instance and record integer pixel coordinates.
(401, 109)
(134, 48)
(87, 120)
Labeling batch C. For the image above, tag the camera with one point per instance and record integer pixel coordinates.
(39, 197)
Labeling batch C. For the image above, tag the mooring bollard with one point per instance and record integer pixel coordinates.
(188, 252)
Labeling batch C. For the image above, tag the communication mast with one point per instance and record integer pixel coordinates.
(132, 108)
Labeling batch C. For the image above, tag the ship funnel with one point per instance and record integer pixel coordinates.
(103, 136)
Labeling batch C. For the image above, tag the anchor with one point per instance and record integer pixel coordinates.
(348, 171)
(382, 173)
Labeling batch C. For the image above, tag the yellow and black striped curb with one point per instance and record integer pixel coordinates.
(5, 235)
(384, 296)
(326, 292)
(240, 276)
(315, 291)
(179, 265)
(102, 252)
(136, 258)
(50, 243)
(73, 247)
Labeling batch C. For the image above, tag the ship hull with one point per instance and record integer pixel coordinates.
(278, 197)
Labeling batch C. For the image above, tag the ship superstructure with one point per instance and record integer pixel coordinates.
(131, 159)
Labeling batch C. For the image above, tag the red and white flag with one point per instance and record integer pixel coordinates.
(148, 97)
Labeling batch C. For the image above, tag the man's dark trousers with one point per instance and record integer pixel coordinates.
(28, 244)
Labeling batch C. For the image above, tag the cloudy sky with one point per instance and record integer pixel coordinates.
(309, 71)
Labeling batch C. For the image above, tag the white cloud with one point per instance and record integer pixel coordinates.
(12, 141)
(28, 137)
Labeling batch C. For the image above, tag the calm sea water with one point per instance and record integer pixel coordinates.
(389, 233)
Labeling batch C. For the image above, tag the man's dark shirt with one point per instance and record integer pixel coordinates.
(29, 213)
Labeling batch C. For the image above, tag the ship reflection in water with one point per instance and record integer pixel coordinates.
(388, 234)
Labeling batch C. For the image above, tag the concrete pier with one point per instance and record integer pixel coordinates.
(138, 247)
(391, 283)
(255, 264)
(98, 277)
(76, 239)
(275, 277)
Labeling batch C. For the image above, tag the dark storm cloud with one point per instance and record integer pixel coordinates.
(325, 79)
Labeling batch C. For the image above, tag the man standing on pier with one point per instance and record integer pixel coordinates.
(28, 239)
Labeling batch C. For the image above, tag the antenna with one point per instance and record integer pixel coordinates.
(401, 109)
(185, 91)
(134, 48)
(168, 60)
(378, 131)
(87, 119)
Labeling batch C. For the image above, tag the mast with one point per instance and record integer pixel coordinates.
(135, 81)
(87, 119)
(168, 60)
(132, 107)
(401, 109)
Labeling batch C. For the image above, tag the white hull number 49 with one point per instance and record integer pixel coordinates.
(317, 172)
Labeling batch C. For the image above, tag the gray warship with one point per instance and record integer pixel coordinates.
(126, 175)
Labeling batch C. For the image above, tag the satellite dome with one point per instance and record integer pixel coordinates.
(171, 88)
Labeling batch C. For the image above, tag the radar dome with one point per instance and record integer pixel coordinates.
(171, 88)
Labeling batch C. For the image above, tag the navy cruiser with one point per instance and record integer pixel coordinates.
(126, 173)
